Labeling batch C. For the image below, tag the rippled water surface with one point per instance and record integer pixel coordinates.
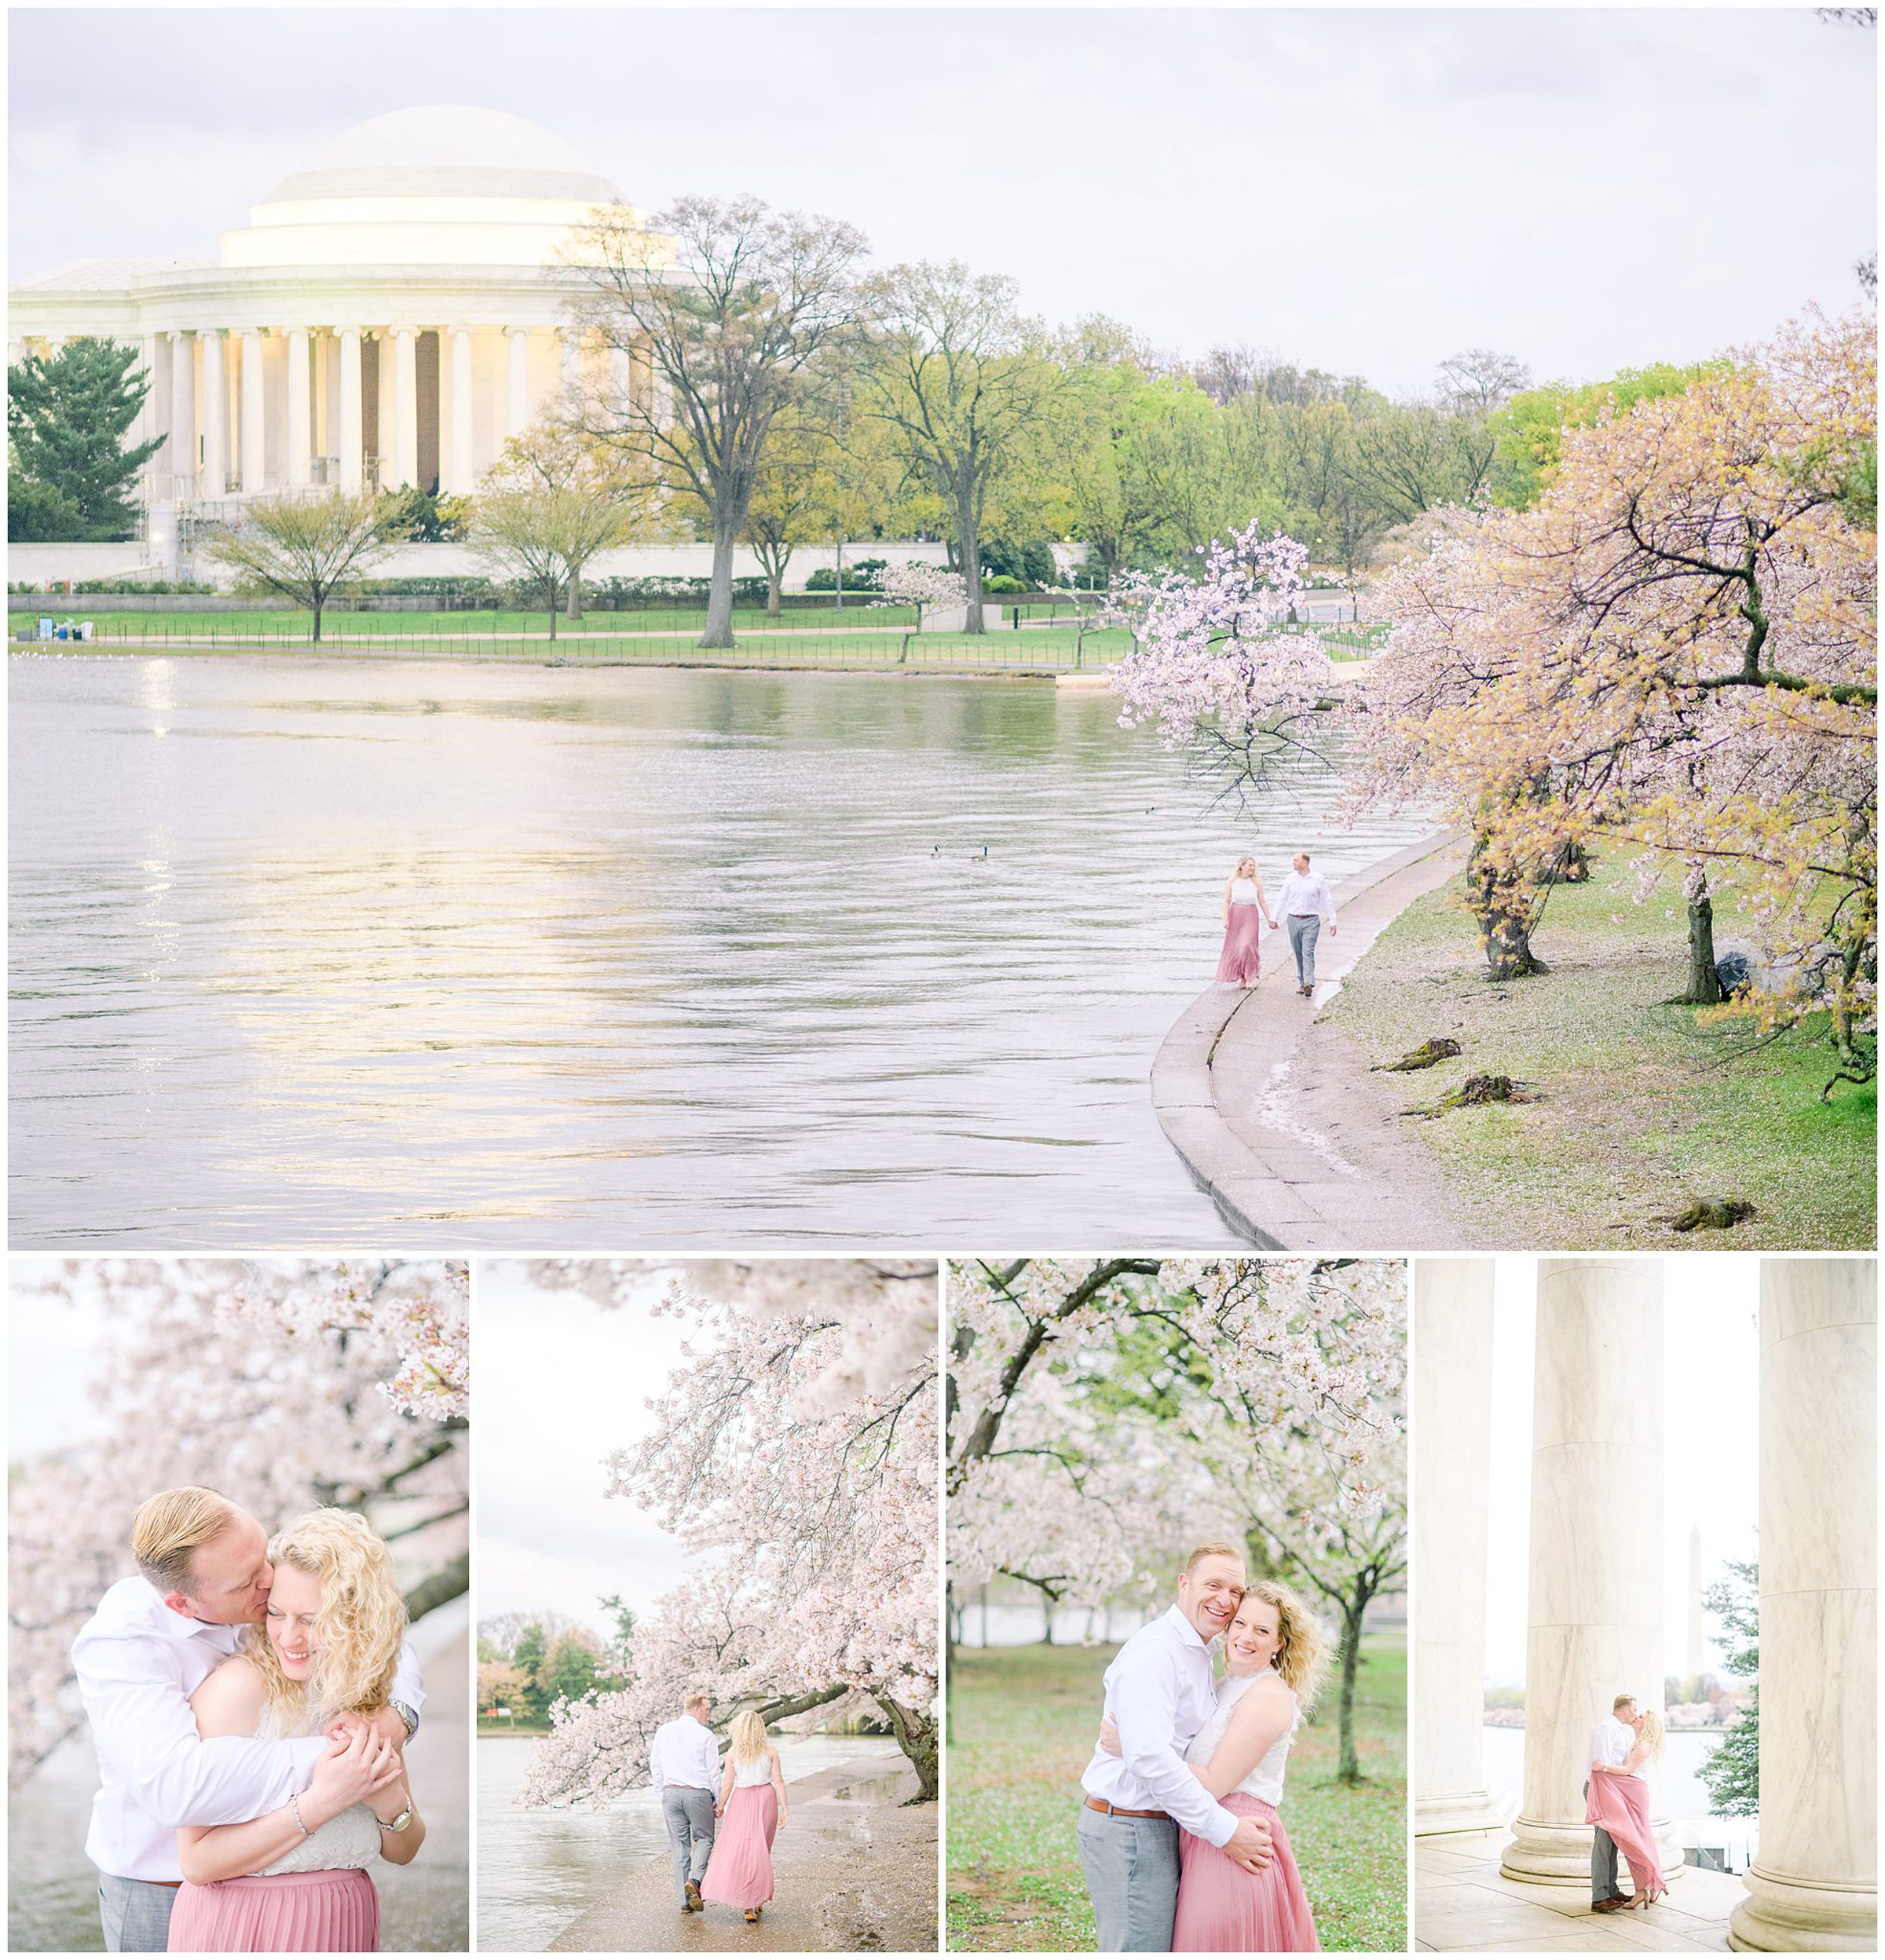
(423, 954)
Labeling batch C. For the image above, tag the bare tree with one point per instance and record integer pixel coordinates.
(963, 377)
(304, 547)
(555, 500)
(719, 312)
(1480, 380)
(1228, 372)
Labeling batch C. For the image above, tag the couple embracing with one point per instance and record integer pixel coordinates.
(251, 1699)
(1182, 1848)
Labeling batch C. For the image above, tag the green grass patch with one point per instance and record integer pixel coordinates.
(1643, 1106)
(1023, 1721)
(486, 1728)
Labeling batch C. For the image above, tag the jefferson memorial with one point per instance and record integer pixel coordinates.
(388, 316)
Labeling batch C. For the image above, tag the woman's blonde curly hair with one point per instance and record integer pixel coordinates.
(358, 1631)
(1302, 1652)
(747, 1738)
(1652, 1732)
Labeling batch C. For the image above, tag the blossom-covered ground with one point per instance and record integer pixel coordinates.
(1643, 1106)
(1023, 1730)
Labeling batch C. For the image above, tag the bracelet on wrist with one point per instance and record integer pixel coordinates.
(295, 1805)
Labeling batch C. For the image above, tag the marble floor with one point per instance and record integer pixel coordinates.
(1463, 1905)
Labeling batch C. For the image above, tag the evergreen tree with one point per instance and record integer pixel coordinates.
(1732, 1775)
(67, 414)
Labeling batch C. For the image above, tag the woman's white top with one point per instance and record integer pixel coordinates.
(758, 1771)
(1243, 891)
(348, 1842)
(1265, 1780)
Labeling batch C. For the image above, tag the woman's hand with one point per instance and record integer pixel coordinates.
(350, 1774)
(1109, 1737)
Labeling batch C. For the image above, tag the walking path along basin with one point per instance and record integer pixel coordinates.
(1276, 1114)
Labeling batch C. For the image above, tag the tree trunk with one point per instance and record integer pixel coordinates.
(1704, 988)
(316, 639)
(971, 565)
(1348, 1770)
(915, 1735)
(448, 1582)
(719, 590)
(775, 578)
(1504, 902)
(573, 605)
(553, 608)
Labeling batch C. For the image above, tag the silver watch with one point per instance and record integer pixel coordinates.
(408, 1716)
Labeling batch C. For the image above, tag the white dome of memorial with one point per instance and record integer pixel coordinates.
(389, 315)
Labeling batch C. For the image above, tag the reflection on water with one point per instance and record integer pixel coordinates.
(539, 1870)
(472, 957)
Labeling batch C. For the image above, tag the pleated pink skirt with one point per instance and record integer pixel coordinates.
(1238, 964)
(739, 1871)
(292, 1912)
(1222, 1908)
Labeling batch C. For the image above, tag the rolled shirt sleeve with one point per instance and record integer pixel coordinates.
(408, 1683)
(1145, 1709)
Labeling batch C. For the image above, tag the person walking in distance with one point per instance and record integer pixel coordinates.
(1305, 901)
(684, 1766)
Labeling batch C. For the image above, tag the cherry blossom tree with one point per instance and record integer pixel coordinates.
(283, 1384)
(925, 587)
(1675, 649)
(811, 1514)
(1103, 1415)
(1216, 664)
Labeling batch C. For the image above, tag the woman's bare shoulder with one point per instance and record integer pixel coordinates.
(229, 1702)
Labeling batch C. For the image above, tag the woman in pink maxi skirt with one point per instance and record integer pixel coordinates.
(1619, 1802)
(296, 1879)
(752, 1811)
(1245, 914)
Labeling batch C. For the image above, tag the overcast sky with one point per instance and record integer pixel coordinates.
(1364, 190)
(1711, 1448)
(560, 1383)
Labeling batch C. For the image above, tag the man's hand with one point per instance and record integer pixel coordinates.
(1250, 1844)
(1109, 1737)
(388, 1723)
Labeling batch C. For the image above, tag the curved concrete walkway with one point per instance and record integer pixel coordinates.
(1275, 1112)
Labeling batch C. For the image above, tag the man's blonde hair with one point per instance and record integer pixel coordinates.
(697, 1699)
(1623, 1700)
(171, 1527)
(1210, 1552)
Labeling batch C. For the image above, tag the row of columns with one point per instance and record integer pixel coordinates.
(202, 456)
(1595, 1572)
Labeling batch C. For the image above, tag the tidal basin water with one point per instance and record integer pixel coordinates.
(429, 954)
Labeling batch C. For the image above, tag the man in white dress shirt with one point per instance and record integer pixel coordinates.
(204, 1576)
(1611, 1742)
(684, 1765)
(1303, 904)
(1159, 1692)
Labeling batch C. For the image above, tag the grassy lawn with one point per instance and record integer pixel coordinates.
(1644, 1106)
(805, 639)
(1024, 1719)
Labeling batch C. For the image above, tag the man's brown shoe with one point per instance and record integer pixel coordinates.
(694, 1903)
(1607, 1905)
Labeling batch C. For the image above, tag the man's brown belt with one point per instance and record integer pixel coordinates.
(1113, 1810)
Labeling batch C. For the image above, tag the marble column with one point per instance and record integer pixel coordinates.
(181, 448)
(215, 417)
(1453, 1448)
(151, 416)
(516, 393)
(458, 472)
(351, 438)
(1812, 1887)
(254, 435)
(300, 410)
(1596, 1556)
(405, 408)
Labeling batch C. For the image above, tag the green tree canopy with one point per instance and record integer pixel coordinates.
(1527, 432)
(67, 414)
